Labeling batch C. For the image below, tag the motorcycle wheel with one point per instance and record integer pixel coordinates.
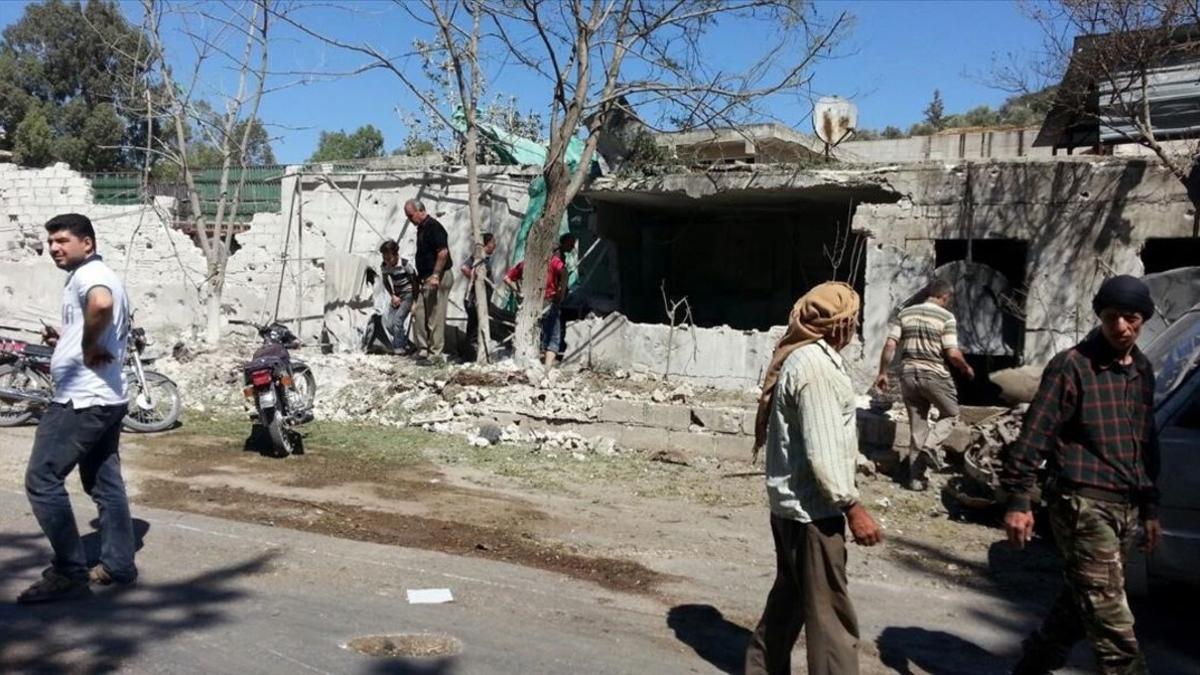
(15, 413)
(281, 439)
(305, 385)
(166, 408)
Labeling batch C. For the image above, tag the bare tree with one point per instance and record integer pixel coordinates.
(600, 55)
(1110, 55)
(455, 27)
(229, 131)
(597, 56)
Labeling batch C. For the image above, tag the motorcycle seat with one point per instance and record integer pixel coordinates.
(269, 356)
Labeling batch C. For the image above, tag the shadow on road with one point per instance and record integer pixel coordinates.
(936, 653)
(442, 666)
(98, 632)
(713, 637)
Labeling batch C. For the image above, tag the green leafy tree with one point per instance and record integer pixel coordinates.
(34, 139)
(890, 132)
(415, 146)
(364, 142)
(80, 67)
(935, 112)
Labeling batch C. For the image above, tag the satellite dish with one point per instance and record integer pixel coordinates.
(834, 119)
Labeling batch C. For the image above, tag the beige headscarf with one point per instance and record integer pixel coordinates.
(818, 313)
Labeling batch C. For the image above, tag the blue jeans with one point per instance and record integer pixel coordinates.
(396, 318)
(552, 333)
(87, 437)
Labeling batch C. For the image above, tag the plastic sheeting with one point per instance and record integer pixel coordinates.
(514, 149)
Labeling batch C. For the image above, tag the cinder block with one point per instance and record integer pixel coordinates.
(718, 420)
(673, 417)
(623, 412)
(748, 419)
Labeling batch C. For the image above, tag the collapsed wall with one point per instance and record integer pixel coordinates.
(320, 210)
(162, 269)
(165, 271)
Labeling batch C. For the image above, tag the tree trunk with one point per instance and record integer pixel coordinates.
(212, 302)
(473, 208)
(539, 246)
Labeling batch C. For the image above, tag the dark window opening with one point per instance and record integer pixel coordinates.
(1008, 257)
(1162, 255)
(740, 266)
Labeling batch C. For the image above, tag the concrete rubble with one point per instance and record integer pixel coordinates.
(563, 414)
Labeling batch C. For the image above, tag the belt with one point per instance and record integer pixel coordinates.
(1099, 494)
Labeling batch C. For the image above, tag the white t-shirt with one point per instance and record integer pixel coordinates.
(74, 381)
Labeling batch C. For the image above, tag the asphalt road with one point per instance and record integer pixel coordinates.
(218, 596)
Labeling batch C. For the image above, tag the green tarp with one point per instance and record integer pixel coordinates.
(514, 149)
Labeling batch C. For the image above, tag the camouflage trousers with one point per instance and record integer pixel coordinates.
(1093, 537)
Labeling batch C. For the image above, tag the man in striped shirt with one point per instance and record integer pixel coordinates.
(926, 334)
(811, 449)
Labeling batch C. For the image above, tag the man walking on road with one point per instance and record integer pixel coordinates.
(927, 336)
(1092, 420)
(806, 419)
(82, 426)
(433, 272)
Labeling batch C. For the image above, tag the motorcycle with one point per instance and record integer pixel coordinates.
(26, 387)
(281, 389)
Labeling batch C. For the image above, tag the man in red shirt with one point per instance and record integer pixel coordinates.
(555, 293)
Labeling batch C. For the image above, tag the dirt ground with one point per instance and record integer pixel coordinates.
(693, 532)
(627, 522)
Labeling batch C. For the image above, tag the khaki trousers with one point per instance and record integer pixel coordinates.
(810, 593)
(429, 317)
(922, 391)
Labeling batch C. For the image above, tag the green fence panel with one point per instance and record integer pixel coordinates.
(260, 192)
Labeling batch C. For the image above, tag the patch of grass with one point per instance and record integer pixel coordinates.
(364, 442)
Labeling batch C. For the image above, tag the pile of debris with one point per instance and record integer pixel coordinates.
(468, 401)
(989, 441)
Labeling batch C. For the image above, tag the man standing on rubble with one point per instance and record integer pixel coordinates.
(807, 421)
(82, 425)
(927, 336)
(433, 271)
(469, 270)
(1092, 420)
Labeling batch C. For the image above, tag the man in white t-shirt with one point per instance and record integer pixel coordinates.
(82, 426)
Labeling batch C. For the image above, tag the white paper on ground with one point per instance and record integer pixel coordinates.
(429, 596)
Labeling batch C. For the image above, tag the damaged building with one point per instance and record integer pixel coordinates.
(689, 275)
(1026, 243)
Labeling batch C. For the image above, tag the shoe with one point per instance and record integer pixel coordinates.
(100, 576)
(916, 485)
(53, 585)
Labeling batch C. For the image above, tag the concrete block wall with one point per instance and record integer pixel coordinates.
(161, 267)
(719, 357)
(946, 147)
(326, 204)
(1082, 220)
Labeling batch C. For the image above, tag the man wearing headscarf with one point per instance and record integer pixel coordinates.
(1092, 420)
(807, 422)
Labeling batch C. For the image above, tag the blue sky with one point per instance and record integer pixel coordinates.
(897, 53)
